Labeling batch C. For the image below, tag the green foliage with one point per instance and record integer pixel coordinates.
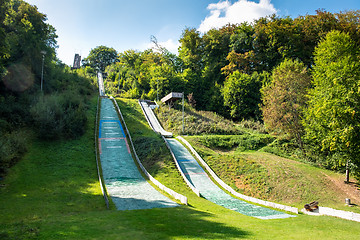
(145, 74)
(27, 34)
(332, 118)
(244, 142)
(100, 57)
(12, 147)
(285, 98)
(206, 60)
(242, 95)
(59, 115)
(196, 122)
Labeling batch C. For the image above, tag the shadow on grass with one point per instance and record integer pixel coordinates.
(159, 223)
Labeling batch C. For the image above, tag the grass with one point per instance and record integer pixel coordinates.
(270, 177)
(196, 122)
(53, 193)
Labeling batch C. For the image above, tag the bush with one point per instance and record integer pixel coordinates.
(59, 115)
(12, 147)
(243, 142)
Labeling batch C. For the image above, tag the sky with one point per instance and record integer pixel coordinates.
(82, 25)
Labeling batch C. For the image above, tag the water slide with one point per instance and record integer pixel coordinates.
(152, 120)
(201, 183)
(101, 84)
(124, 183)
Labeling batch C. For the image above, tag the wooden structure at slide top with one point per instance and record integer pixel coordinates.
(172, 97)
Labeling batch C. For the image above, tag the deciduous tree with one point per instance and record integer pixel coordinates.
(100, 57)
(333, 114)
(284, 99)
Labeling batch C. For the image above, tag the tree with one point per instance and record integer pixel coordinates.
(284, 99)
(27, 35)
(4, 51)
(101, 57)
(332, 119)
(191, 53)
(241, 94)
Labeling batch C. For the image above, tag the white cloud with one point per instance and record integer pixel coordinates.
(241, 11)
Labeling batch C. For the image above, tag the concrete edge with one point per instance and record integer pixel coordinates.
(326, 211)
(98, 164)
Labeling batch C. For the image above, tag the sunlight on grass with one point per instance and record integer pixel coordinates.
(92, 188)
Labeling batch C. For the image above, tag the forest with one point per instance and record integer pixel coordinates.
(39, 95)
(299, 77)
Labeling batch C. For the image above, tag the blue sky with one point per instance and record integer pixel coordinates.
(128, 24)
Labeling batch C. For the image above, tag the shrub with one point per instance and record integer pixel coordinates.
(59, 115)
(12, 147)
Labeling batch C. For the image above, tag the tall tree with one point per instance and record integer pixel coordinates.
(241, 94)
(100, 57)
(191, 53)
(284, 99)
(27, 35)
(4, 51)
(333, 114)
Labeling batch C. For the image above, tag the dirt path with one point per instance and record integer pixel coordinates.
(350, 190)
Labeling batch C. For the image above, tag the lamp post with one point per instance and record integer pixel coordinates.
(157, 89)
(42, 70)
(183, 127)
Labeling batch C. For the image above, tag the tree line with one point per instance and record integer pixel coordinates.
(299, 76)
(38, 93)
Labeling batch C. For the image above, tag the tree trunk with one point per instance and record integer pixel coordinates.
(347, 172)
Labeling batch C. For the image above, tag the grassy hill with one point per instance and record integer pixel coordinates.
(53, 193)
(257, 164)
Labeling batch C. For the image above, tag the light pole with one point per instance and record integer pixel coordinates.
(157, 89)
(183, 113)
(42, 70)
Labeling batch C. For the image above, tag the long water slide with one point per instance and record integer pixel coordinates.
(101, 84)
(125, 185)
(201, 182)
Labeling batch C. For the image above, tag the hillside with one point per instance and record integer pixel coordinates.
(53, 193)
(246, 162)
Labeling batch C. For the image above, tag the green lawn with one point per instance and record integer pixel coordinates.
(53, 193)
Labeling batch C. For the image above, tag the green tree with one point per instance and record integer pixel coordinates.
(4, 51)
(101, 57)
(241, 94)
(27, 35)
(191, 53)
(284, 99)
(333, 114)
